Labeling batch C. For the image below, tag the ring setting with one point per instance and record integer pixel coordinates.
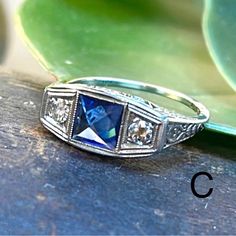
(90, 116)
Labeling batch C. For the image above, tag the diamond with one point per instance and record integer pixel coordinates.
(140, 132)
(97, 122)
(59, 109)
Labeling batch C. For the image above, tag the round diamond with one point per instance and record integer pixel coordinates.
(58, 109)
(140, 132)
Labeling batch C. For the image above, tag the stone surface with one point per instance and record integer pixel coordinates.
(49, 187)
(97, 122)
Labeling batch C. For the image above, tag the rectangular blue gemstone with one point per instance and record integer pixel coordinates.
(97, 122)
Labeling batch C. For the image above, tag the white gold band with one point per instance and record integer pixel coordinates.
(90, 116)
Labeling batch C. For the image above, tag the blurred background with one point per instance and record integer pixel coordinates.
(14, 55)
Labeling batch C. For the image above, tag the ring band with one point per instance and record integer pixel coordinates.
(90, 116)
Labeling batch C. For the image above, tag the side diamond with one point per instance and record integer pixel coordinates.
(59, 109)
(140, 132)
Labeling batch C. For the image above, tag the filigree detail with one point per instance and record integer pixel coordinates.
(163, 111)
(179, 132)
(123, 94)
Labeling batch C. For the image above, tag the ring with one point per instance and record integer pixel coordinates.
(88, 115)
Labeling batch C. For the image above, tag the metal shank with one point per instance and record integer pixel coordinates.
(200, 109)
(145, 128)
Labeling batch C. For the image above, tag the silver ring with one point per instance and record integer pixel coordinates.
(87, 114)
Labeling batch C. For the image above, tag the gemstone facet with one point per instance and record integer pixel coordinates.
(140, 132)
(97, 122)
(59, 109)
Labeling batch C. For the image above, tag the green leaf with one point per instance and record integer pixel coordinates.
(220, 34)
(151, 41)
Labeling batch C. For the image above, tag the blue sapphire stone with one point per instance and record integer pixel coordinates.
(97, 122)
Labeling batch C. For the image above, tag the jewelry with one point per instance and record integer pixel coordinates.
(88, 115)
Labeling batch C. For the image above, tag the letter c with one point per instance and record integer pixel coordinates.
(193, 185)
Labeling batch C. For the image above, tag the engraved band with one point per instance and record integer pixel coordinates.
(87, 114)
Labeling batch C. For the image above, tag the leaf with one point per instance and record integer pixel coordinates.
(220, 34)
(151, 41)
